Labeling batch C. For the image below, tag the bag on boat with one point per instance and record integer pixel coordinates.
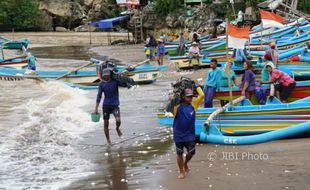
(260, 93)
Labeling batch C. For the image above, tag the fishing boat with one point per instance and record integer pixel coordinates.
(142, 74)
(301, 90)
(14, 44)
(17, 62)
(246, 119)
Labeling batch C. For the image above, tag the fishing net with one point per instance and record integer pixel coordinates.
(178, 90)
(123, 78)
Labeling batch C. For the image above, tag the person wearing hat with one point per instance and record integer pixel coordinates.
(184, 127)
(285, 83)
(160, 52)
(194, 52)
(194, 49)
(273, 52)
(110, 105)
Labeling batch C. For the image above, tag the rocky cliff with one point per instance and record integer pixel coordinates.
(73, 13)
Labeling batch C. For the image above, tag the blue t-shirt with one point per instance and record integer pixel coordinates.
(184, 124)
(161, 50)
(250, 77)
(214, 78)
(110, 90)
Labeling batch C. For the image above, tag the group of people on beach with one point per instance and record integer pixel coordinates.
(157, 46)
(152, 45)
(184, 112)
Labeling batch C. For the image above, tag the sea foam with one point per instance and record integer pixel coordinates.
(40, 153)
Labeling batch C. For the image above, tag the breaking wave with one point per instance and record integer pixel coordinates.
(40, 153)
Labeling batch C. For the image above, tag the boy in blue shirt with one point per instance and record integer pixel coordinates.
(160, 52)
(110, 104)
(184, 128)
(212, 83)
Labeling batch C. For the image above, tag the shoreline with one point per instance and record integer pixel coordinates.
(67, 38)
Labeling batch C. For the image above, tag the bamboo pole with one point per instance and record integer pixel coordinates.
(227, 69)
(222, 109)
(68, 73)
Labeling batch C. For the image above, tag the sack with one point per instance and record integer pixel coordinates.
(105, 65)
(178, 89)
(261, 94)
(123, 79)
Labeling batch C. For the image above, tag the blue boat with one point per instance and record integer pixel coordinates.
(14, 44)
(142, 74)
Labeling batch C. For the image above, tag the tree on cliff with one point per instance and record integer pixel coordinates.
(164, 7)
(18, 14)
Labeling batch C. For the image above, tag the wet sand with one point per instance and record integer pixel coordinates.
(281, 164)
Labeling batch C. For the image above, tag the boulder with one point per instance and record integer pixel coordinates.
(58, 7)
(170, 21)
(88, 2)
(85, 28)
(61, 29)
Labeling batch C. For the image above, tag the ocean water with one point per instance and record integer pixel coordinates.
(47, 140)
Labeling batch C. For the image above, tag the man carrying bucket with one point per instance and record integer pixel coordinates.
(109, 87)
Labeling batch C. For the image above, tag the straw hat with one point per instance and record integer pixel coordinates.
(194, 43)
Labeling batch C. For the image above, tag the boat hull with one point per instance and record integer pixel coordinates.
(248, 120)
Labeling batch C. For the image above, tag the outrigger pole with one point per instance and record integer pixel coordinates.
(227, 68)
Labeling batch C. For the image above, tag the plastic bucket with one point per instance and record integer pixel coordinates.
(95, 117)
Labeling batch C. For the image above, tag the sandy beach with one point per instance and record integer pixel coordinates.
(148, 161)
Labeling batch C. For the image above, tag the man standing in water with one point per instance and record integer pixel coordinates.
(110, 104)
(184, 127)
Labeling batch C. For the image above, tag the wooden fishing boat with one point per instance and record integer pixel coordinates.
(301, 90)
(143, 74)
(18, 62)
(251, 119)
(13, 44)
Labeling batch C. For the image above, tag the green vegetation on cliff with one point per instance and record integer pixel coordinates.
(18, 14)
(164, 7)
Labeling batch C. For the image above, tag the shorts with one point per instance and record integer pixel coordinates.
(190, 147)
(107, 110)
(285, 91)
